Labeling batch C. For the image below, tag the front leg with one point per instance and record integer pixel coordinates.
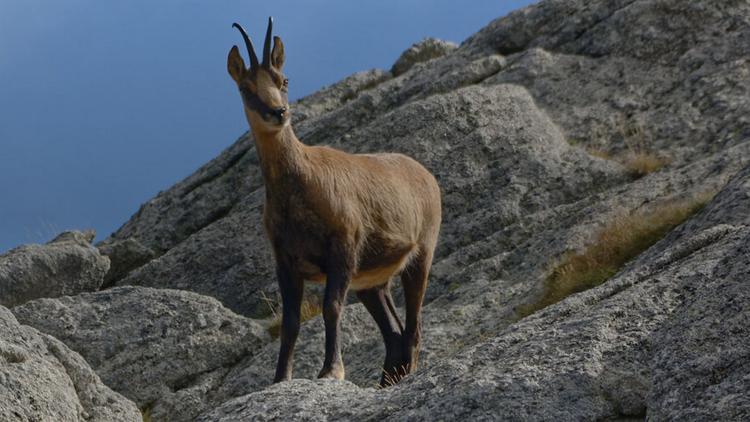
(291, 287)
(339, 272)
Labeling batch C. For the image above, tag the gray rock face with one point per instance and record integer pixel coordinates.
(332, 97)
(229, 260)
(665, 339)
(153, 346)
(124, 256)
(42, 380)
(66, 265)
(620, 73)
(310, 400)
(427, 49)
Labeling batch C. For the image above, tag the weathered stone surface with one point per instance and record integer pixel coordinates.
(66, 265)
(153, 346)
(616, 74)
(427, 49)
(303, 400)
(229, 260)
(603, 354)
(332, 97)
(42, 380)
(124, 256)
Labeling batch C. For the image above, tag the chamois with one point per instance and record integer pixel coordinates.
(346, 220)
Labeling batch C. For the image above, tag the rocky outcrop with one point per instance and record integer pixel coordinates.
(427, 49)
(156, 347)
(42, 380)
(65, 265)
(666, 339)
(124, 256)
(663, 75)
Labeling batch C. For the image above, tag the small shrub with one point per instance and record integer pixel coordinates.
(310, 309)
(621, 240)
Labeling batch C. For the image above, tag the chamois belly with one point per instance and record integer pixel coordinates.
(374, 270)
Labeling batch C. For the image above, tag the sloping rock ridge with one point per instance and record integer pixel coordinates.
(665, 339)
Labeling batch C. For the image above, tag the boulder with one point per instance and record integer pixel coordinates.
(124, 256)
(156, 347)
(42, 380)
(66, 265)
(427, 49)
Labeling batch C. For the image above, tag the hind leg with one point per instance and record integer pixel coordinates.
(414, 281)
(376, 300)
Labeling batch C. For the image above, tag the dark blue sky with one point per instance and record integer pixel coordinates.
(103, 104)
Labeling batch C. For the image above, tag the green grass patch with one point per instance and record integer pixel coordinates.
(619, 241)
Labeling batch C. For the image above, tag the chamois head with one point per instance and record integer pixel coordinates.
(263, 86)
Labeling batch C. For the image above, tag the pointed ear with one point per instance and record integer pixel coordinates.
(277, 55)
(235, 65)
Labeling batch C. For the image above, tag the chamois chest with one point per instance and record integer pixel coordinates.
(297, 230)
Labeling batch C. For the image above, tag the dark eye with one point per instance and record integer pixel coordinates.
(285, 83)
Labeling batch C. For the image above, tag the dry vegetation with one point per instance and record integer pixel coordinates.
(146, 414)
(638, 162)
(622, 239)
(600, 153)
(310, 309)
(638, 158)
(393, 379)
(641, 163)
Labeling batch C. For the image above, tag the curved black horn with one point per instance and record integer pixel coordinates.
(267, 45)
(249, 45)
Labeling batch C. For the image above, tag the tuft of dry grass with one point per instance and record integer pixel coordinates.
(393, 379)
(146, 413)
(638, 163)
(619, 241)
(599, 152)
(641, 163)
(310, 309)
(638, 158)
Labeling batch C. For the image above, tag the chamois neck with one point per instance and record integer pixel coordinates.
(281, 153)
